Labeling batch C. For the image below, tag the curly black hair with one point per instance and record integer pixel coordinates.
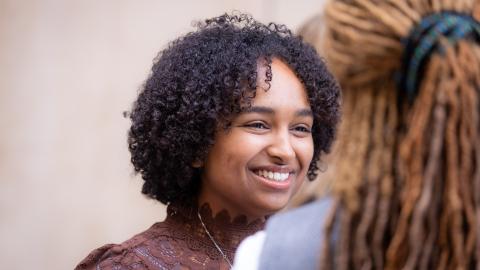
(205, 78)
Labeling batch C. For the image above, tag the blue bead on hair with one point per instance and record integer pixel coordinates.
(424, 39)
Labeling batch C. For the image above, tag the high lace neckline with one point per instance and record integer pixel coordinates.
(228, 232)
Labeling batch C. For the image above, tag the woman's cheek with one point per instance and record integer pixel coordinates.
(306, 151)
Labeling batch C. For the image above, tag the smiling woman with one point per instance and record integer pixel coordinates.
(231, 121)
(260, 162)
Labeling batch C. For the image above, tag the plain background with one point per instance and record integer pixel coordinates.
(68, 69)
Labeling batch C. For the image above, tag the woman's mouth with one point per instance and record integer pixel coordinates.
(275, 177)
(272, 176)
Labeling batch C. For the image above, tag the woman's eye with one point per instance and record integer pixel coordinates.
(303, 129)
(257, 125)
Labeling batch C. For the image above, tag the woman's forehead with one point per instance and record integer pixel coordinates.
(284, 89)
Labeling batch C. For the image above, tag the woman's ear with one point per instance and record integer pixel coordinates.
(197, 164)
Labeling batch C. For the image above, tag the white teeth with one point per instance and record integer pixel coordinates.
(275, 176)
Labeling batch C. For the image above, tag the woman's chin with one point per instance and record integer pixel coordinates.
(272, 205)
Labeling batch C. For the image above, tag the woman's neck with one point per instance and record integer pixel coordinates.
(233, 211)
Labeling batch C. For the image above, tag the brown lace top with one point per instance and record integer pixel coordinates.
(179, 242)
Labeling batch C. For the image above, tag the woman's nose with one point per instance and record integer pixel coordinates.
(281, 148)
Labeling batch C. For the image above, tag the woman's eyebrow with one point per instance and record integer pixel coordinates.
(268, 110)
(259, 109)
(304, 112)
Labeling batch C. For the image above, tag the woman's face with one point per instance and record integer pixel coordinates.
(256, 166)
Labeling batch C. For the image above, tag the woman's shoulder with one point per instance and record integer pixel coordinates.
(131, 254)
(109, 256)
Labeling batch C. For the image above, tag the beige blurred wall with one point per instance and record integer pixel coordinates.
(68, 69)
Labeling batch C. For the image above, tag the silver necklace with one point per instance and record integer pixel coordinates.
(213, 240)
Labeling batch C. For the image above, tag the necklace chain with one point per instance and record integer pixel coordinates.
(213, 240)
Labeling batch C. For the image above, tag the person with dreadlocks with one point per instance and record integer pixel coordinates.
(406, 175)
(232, 119)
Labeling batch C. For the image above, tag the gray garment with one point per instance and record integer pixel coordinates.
(294, 238)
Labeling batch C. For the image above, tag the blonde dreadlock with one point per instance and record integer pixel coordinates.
(407, 162)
